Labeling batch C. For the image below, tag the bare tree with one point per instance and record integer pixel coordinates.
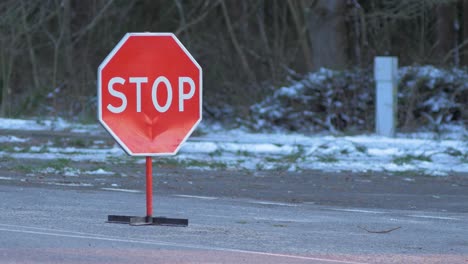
(246, 47)
(10, 33)
(445, 30)
(297, 10)
(328, 33)
(464, 41)
(244, 62)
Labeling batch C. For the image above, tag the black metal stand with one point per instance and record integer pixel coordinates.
(146, 220)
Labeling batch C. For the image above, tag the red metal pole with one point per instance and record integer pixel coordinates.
(149, 186)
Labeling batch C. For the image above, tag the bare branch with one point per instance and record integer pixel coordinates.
(196, 20)
(235, 42)
(78, 35)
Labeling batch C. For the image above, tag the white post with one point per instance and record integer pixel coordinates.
(385, 73)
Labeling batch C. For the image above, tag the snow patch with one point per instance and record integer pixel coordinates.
(98, 172)
(238, 149)
(12, 139)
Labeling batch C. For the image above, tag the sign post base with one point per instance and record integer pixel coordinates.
(146, 220)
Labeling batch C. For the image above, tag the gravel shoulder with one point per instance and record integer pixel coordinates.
(405, 190)
(408, 192)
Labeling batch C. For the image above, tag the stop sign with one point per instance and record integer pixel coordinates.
(150, 94)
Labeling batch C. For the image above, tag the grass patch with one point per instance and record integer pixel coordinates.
(79, 143)
(6, 158)
(116, 160)
(218, 165)
(282, 167)
(23, 150)
(216, 153)
(43, 149)
(273, 160)
(323, 146)
(328, 158)
(279, 225)
(170, 162)
(464, 158)
(72, 142)
(361, 148)
(7, 148)
(244, 153)
(259, 167)
(344, 152)
(58, 164)
(453, 152)
(198, 132)
(58, 142)
(204, 164)
(409, 158)
(457, 153)
(295, 156)
(24, 168)
(240, 161)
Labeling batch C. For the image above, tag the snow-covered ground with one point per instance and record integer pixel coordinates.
(423, 152)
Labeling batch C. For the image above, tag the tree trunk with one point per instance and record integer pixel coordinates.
(68, 47)
(464, 51)
(31, 50)
(445, 30)
(245, 64)
(296, 13)
(7, 68)
(264, 39)
(328, 34)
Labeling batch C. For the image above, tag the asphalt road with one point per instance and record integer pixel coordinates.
(41, 224)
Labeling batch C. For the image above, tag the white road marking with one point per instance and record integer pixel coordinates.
(6, 178)
(272, 203)
(435, 217)
(380, 212)
(81, 235)
(49, 229)
(70, 184)
(284, 220)
(356, 211)
(121, 190)
(290, 220)
(196, 197)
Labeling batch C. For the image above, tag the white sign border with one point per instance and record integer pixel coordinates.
(99, 88)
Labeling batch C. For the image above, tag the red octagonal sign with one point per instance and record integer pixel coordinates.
(150, 94)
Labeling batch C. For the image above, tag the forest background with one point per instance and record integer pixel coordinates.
(50, 51)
